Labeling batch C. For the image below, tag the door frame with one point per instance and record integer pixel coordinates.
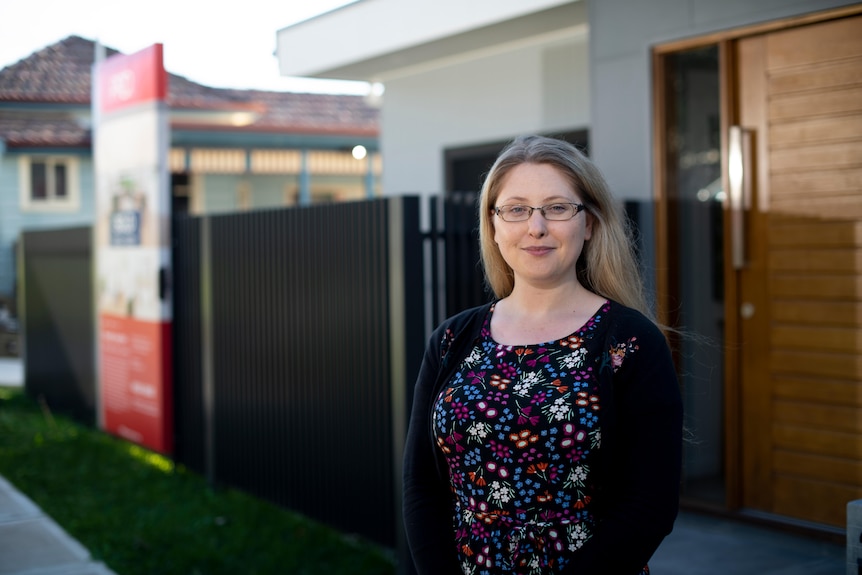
(665, 273)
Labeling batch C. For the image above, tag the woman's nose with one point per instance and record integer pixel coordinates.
(537, 224)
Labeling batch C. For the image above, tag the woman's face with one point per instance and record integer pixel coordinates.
(541, 253)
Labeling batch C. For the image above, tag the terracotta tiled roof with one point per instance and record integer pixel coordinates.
(18, 130)
(60, 74)
(287, 111)
(57, 73)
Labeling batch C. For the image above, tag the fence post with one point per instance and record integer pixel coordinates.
(207, 367)
(406, 317)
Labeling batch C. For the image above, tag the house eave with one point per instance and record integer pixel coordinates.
(374, 51)
(297, 139)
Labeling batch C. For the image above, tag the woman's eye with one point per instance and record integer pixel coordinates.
(556, 208)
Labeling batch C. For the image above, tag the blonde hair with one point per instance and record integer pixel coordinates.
(607, 266)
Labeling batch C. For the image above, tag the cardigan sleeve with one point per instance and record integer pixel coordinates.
(640, 498)
(427, 504)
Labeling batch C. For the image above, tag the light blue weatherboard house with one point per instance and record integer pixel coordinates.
(230, 149)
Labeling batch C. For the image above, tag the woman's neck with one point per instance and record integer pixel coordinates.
(540, 302)
(530, 315)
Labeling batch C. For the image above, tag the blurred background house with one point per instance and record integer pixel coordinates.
(733, 132)
(230, 150)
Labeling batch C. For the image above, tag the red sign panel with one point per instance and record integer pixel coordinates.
(129, 80)
(135, 365)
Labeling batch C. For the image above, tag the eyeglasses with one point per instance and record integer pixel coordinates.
(553, 212)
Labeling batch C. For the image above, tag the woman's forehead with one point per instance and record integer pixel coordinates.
(536, 182)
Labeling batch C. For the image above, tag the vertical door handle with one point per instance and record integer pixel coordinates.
(739, 196)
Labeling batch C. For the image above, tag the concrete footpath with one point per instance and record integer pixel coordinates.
(31, 543)
(707, 545)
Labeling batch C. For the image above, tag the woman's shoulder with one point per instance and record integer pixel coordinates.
(624, 319)
(465, 318)
(458, 327)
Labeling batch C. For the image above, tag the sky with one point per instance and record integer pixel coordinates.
(226, 44)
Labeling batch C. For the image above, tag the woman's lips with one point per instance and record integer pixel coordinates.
(537, 250)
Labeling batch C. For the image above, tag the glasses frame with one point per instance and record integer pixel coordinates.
(578, 209)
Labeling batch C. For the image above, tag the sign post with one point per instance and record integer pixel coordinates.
(132, 240)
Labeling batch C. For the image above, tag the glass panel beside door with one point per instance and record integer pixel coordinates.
(695, 244)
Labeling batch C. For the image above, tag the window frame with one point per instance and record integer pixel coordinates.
(51, 203)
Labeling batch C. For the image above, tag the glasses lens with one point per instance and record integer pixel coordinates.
(559, 211)
(515, 213)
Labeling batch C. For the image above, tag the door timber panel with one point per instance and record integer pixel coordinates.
(800, 95)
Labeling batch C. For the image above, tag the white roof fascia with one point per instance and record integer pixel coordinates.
(370, 40)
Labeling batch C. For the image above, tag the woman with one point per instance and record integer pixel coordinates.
(546, 429)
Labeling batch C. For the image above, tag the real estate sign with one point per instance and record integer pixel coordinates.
(132, 241)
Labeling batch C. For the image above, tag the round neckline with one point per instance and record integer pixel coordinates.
(577, 333)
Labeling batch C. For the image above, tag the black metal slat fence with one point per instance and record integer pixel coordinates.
(314, 318)
(301, 382)
(464, 285)
(297, 336)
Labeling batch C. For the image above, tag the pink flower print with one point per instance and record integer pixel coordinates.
(454, 438)
(508, 370)
(500, 451)
(531, 454)
(460, 410)
(524, 416)
(493, 467)
(484, 407)
(572, 441)
(479, 530)
(542, 358)
(457, 478)
(539, 398)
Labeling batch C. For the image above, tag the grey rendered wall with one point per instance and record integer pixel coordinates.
(536, 88)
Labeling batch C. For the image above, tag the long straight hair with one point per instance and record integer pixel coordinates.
(607, 266)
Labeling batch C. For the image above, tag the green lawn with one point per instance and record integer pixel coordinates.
(140, 514)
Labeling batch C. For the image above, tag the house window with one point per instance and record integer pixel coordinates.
(48, 183)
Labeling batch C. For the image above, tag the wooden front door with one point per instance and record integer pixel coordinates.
(794, 365)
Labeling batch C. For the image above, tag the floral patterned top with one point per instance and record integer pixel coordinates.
(519, 429)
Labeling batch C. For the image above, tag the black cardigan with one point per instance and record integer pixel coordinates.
(641, 453)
